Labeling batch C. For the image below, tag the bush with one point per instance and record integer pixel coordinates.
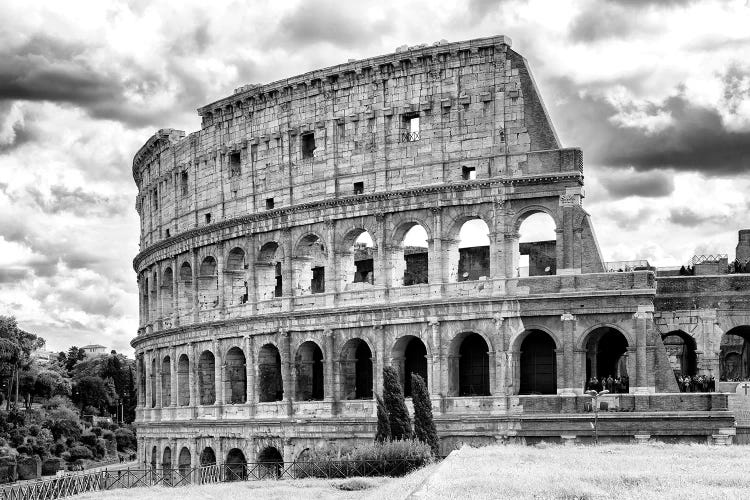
(79, 452)
(65, 428)
(108, 435)
(383, 432)
(34, 430)
(17, 436)
(100, 448)
(393, 397)
(125, 439)
(97, 431)
(424, 424)
(88, 438)
(393, 458)
(57, 449)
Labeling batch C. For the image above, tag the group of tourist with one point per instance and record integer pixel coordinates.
(617, 385)
(696, 383)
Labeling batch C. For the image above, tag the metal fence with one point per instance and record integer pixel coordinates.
(64, 486)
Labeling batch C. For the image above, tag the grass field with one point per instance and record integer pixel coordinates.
(515, 472)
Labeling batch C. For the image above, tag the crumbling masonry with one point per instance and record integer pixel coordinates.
(266, 317)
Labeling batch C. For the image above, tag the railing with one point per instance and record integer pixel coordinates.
(700, 259)
(628, 266)
(65, 486)
(410, 136)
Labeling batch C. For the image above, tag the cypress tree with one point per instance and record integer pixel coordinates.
(383, 433)
(393, 396)
(424, 424)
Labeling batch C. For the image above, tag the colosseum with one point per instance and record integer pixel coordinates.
(321, 227)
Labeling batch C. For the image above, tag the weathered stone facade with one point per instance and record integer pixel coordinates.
(266, 321)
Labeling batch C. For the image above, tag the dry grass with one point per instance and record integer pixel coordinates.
(613, 471)
(536, 472)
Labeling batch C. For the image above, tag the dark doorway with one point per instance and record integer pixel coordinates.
(270, 384)
(309, 366)
(356, 370)
(734, 354)
(208, 457)
(271, 462)
(415, 361)
(538, 364)
(236, 468)
(681, 352)
(473, 367)
(606, 352)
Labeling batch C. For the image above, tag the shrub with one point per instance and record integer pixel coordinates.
(96, 431)
(393, 397)
(108, 435)
(125, 439)
(383, 432)
(88, 439)
(392, 458)
(79, 452)
(424, 424)
(17, 436)
(34, 430)
(57, 449)
(100, 449)
(354, 485)
(65, 428)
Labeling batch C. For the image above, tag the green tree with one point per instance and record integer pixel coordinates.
(16, 346)
(393, 397)
(424, 424)
(93, 391)
(74, 355)
(383, 432)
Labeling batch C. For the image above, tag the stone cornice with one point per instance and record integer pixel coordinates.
(349, 201)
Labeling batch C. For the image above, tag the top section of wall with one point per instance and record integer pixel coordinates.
(424, 116)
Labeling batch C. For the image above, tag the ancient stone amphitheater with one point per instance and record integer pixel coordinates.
(319, 228)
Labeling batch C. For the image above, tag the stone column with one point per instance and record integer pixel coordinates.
(286, 369)
(286, 273)
(379, 354)
(158, 309)
(196, 314)
(158, 379)
(218, 372)
(252, 280)
(380, 264)
(497, 243)
(173, 379)
(220, 269)
(175, 292)
(511, 253)
(435, 264)
(435, 383)
(501, 356)
(329, 387)
(568, 372)
(640, 327)
(192, 374)
(331, 277)
(250, 371)
(147, 368)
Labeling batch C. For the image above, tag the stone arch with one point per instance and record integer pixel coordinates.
(166, 381)
(681, 350)
(208, 283)
(235, 281)
(166, 462)
(207, 457)
(606, 353)
(236, 376)
(308, 364)
(468, 256)
(183, 380)
(357, 259)
(356, 370)
(410, 259)
(207, 378)
(236, 465)
(167, 283)
(185, 290)
(184, 463)
(517, 338)
(469, 365)
(524, 212)
(271, 462)
(734, 354)
(268, 271)
(154, 382)
(270, 383)
(409, 355)
(309, 265)
(537, 363)
(537, 251)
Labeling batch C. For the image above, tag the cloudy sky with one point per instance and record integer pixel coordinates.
(657, 93)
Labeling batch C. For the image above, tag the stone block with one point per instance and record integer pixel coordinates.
(8, 470)
(50, 466)
(29, 467)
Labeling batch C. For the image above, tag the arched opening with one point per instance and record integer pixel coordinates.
(183, 463)
(236, 465)
(538, 364)
(208, 457)
(268, 272)
(183, 380)
(681, 352)
(185, 297)
(356, 370)
(411, 257)
(207, 378)
(154, 458)
(473, 366)
(208, 284)
(607, 357)
(270, 384)
(154, 382)
(537, 245)
(235, 281)
(236, 376)
(272, 462)
(734, 354)
(166, 462)
(308, 364)
(470, 255)
(357, 260)
(309, 266)
(409, 356)
(167, 282)
(166, 381)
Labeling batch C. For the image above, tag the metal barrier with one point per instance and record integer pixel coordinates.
(64, 486)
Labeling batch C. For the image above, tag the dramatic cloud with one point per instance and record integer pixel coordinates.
(629, 182)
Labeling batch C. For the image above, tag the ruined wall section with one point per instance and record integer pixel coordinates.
(478, 110)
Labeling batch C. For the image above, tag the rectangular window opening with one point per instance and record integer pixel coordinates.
(269, 203)
(208, 218)
(184, 183)
(253, 152)
(411, 131)
(359, 187)
(234, 165)
(317, 284)
(278, 289)
(168, 233)
(308, 145)
(468, 173)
